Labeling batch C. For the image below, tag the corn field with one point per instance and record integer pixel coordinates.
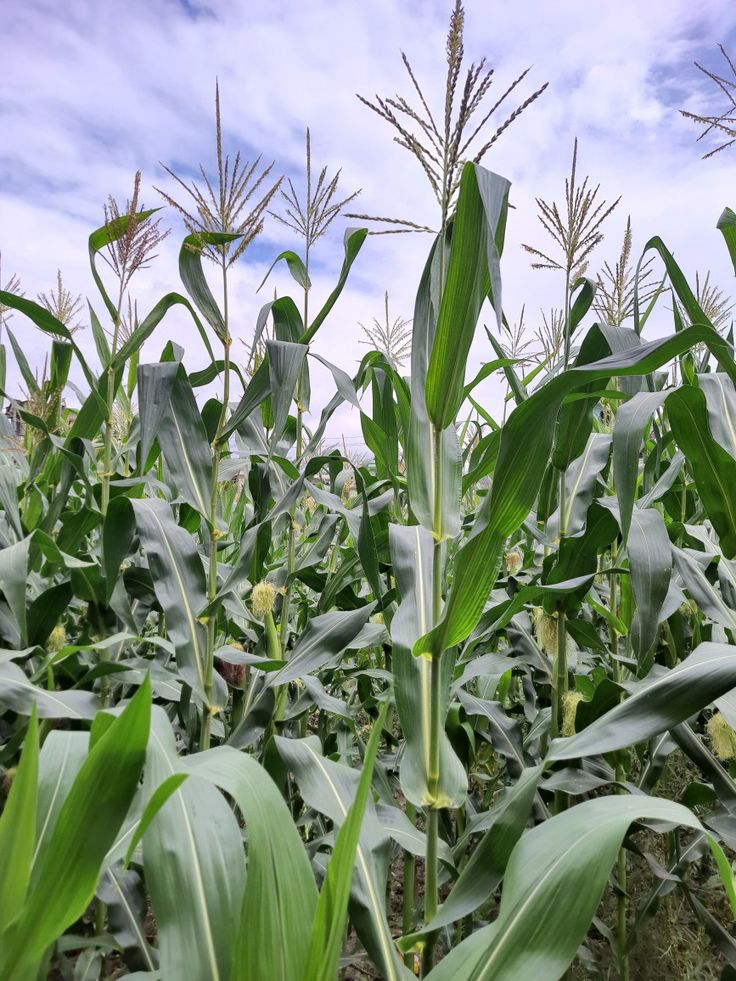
(462, 709)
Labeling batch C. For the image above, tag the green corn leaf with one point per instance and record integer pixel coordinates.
(61, 360)
(691, 567)
(726, 873)
(194, 866)
(367, 547)
(575, 420)
(13, 576)
(517, 388)
(343, 382)
(526, 444)
(581, 479)
(99, 336)
(441, 517)
(713, 469)
(720, 399)
(331, 788)
(61, 759)
(296, 268)
(727, 227)
(472, 272)
(280, 893)
(582, 296)
(430, 463)
(656, 704)
(628, 432)
(504, 733)
(539, 928)
(18, 828)
(146, 327)
(67, 869)
(420, 448)
(485, 869)
(354, 239)
(650, 561)
(19, 694)
(489, 368)
(285, 361)
(328, 930)
(184, 444)
(179, 582)
(40, 316)
(212, 371)
(20, 359)
(91, 416)
(320, 548)
(287, 320)
(156, 801)
(411, 553)
(694, 311)
(102, 237)
(324, 639)
(117, 538)
(10, 477)
(46, 322)
(192, 275)
(709, 457)
(155, 382)
(257, 392)
(124, 895)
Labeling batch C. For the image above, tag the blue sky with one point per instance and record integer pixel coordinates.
(91, 90)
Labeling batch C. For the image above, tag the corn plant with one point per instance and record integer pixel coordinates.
(250, 688)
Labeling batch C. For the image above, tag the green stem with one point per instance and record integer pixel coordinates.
(290, 563)
(559, 677)
(434, 734)
(459, 832)
(433, 777)
(671, 645)
(560, 682)
(621, 898)
(275, 653)
(398, 516)
(568, 337)
(621, 904)
(214, 532)
(436, 722)
(407, 910)
(100, 916)
(683, 511)
(291, 553)
(106, 475)
(209, 665)
(430, 885)
(107, 452)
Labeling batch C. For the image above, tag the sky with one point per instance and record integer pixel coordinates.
(93, 90)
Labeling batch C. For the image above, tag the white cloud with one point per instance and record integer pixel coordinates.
(91, 91)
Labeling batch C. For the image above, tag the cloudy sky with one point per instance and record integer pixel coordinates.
(93, 90)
